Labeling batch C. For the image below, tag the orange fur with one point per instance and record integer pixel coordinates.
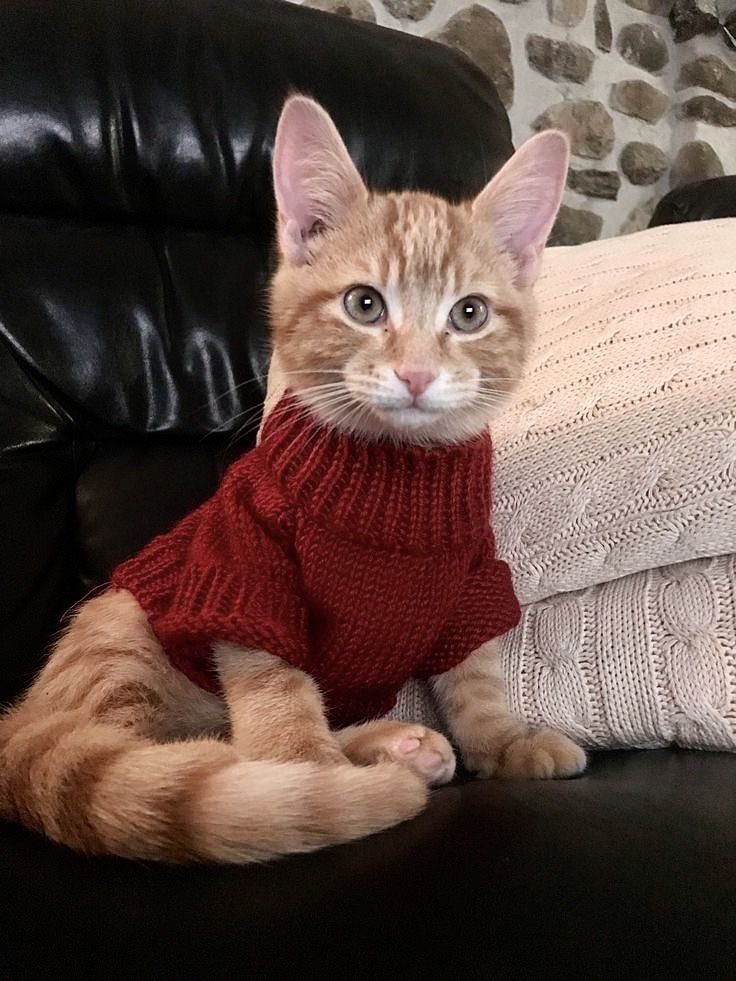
(112, 750)
(158, 776)
(421, 253)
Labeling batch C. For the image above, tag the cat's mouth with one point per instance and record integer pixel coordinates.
(408, 417)
(376, 415)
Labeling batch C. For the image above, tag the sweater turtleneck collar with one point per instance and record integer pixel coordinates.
(378, 491)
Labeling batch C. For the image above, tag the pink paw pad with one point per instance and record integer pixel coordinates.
(405, 747)
(432, 763)
(427, 759)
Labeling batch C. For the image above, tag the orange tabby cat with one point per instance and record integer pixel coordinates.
(114, 750)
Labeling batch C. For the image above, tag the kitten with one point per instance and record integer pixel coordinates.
(402, 323)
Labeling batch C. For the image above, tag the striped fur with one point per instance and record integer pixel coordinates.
(114, 751)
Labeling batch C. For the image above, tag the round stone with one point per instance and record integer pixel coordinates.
(695, 161)
(642, 45)
(639, 217)
(588, 125)
(357, 9)
(709, 72)
(659, 7)
(574, 226)
(480, 34)
(707, 109)
(408, 9)
(634, 97)
(559, 59)
(643, 163)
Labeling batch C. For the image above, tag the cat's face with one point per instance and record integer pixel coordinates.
(401, 315)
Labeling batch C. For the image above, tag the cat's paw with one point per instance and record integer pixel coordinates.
(425, 751)
(535, 755)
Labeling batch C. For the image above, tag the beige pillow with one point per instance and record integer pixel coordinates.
(644, 661)
(618, 453)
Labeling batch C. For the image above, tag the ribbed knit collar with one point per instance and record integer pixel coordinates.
(377, 491)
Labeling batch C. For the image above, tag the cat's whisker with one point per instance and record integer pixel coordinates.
(312, 371)
(327, 388)
(320, 433)
(221, 395)
(247, 426)
(304, 410)
(223, 426)
(326, 400)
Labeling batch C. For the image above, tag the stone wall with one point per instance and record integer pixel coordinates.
(646, 89)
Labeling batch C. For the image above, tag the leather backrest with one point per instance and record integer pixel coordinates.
(136, 240)
(714, 198)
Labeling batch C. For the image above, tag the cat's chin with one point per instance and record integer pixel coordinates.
(411, 418)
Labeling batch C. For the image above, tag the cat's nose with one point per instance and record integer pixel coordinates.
(416, 381)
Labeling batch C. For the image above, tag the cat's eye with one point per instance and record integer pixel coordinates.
(469, 314)
(364, 305)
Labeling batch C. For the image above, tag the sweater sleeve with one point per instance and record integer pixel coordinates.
(487, 608)
(225, 572)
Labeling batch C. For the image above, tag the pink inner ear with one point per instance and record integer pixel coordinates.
(521, 202)
(315, 181)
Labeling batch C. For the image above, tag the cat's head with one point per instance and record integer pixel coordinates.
(401, 314)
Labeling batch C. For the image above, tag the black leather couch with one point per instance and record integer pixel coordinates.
(135, 243)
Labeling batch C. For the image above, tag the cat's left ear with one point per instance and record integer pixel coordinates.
(315, 181)
(519, 205)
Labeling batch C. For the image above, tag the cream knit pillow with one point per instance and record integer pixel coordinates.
(647, 660)
(618, 453)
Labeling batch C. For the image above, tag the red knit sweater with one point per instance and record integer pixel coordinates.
(362, 563)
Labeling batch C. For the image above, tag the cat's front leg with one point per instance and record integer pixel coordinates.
(276, 710)
(492, 741)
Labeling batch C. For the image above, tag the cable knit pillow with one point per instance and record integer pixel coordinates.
(618, 456)
(616, 460)
(646, 660)
(618, 453)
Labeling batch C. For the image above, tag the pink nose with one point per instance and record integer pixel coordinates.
(416, 381)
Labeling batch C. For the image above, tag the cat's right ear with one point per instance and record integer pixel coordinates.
(519, 205)
(315, 182)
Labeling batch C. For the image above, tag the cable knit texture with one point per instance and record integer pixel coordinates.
(644, 661)
(618, 453)
(362, 563)
(617, 459)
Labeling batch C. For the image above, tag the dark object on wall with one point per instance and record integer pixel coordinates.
(135, 233)
(688, 18)
(715, 198)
